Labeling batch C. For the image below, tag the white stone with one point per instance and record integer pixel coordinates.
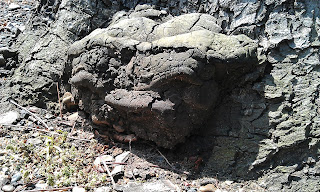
(41, 186)
(8, 188)
(123, 157)
(102, 189)
(78, 189)
(8, 118)
(13, 6)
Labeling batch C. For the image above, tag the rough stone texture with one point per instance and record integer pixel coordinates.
(43, 45)
(161, 80)
(266, 127)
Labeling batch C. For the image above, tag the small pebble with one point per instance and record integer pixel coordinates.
(3, 152)
(228, 182)
(102, 189)
(16, 177)
(34, 141)
(4, 179)
(192, 190)
(40, 186)
(13, 7)
(7, 188)
(2, 61)
(208, 188)
(78, 189)
(73, 117)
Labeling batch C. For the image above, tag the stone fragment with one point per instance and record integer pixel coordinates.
(4, 179)
(3, 152)
(8, 188)
(40, 185)
(208, 188)
(162, 185)
(73, 117)
(7, 53)
(119, 169)
(78, 189)
(102, 189)
(8, 118)
(98, 162)
(16, 177)
(2, 61)
(34, 141)
(13, 6)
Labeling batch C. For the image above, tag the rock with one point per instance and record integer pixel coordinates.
(172, 98)
(73, 117)
(159, 186)
(34, 141)
(16, 177)
(118, 64)
(7, 188)
(192, 190)
(122, 158)
(8, 118)
(208, 188)
(102, 189)
(78, 189)
(41, 186)
(2, 61)
(13, 7)
(3, 152)
(49, 116)
(4, 179)
(228, 182)
(98, 162)
(7, 52)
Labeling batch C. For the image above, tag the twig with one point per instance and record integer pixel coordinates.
(54, 189)
(73, 126)
(109, 173)
(59, 99)
(26, 185)
(130, 161)
(35, 116)
(171, 168)
(165, 159)
(42, 130)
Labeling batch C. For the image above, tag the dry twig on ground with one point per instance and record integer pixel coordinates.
(35, 116)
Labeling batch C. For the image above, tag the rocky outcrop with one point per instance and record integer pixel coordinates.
(266, 123)
(43, 49)
(160, 80)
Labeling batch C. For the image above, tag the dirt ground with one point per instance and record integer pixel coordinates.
(65, 155)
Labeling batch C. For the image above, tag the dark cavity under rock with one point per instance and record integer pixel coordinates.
(160, 80)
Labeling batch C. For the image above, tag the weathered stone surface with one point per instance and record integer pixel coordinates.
(161, 79)
(267, 122)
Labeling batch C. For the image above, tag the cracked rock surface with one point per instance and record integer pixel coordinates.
(263, 111)
(161, 80)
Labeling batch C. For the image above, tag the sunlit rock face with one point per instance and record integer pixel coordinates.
(160, 79)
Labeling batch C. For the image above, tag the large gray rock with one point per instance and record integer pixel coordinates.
(266, 127)
(161, 80)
